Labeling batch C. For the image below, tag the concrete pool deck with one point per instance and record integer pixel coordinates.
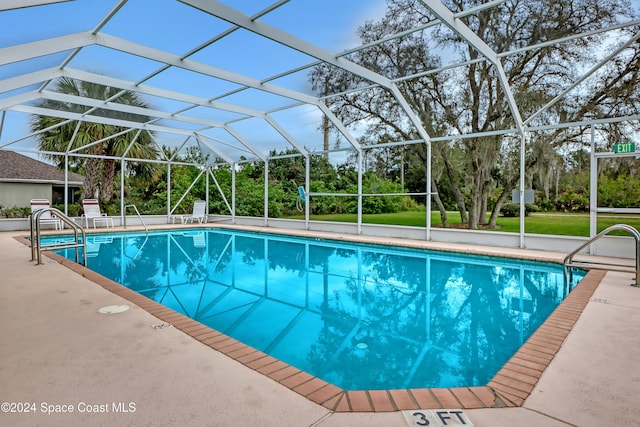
(58, 350)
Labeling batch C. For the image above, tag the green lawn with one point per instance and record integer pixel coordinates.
(556, 223)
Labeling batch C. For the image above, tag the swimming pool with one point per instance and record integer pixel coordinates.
(362, 317)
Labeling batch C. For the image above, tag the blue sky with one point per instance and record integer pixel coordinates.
(176, 28)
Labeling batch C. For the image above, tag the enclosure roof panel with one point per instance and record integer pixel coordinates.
(228, 76)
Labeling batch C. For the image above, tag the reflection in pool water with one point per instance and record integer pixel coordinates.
(358, 316)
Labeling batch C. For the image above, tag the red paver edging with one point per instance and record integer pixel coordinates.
(510, 387)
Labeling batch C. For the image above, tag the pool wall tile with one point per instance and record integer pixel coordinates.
(181, 323)
(485, 395)
(516, 387)
(260, 362)
(251, 357)
(212, 340)
(403, 400)
(359, 401)
(527, 362)
(509, 387)
(312, 386)
(246, 350)
(519, 376)
(325, 394)
(381, 400)
(284, 373)
(509, 399)
(222, 343)
(342, 404)
(425, 398)
(209, 333)
(512, 366)
(545, 347)
(296, 380)
(551, 331)
(272, 367)
(550, 338)
(196, 329)
(466, 398)
(531, 352)
(446, 398)
(237, 346)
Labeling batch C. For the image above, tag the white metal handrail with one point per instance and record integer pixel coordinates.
(124, 222)
(570, 262)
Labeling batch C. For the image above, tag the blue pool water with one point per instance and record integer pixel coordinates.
(358, 316)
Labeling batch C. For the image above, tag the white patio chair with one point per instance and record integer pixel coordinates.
(45, 217)
(199, 213)
(92, 212)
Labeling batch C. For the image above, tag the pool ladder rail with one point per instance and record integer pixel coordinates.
(570, 263)
(36, 244)
(124, 219)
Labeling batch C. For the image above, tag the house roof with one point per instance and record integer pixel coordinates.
(15, 167)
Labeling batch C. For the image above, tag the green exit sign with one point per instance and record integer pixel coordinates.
(625, 147)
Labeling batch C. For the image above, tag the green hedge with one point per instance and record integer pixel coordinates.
(513, 209)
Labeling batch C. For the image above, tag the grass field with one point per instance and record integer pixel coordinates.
(556, 223)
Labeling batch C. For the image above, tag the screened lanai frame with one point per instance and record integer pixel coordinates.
(23, 82)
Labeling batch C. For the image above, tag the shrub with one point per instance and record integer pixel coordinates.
(15, 212)
(513, 209)
(73, 210)
(545, 205)
(621, 192)
(572, 202)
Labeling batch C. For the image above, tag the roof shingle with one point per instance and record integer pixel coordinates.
(17, 167)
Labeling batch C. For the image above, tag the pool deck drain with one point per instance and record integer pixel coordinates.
(114, 309)
(510, 387)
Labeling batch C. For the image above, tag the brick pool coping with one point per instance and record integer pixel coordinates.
(510, 387)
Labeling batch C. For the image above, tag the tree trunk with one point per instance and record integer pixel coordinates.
(557, 182)
(451, 174)
(483, 208)
(506, 191)
(508, 187)
(436, 198)
(91, 179)
(477, 192)
(108, 175)
(474, 210)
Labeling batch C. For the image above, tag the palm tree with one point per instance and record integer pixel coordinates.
(56, 135)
